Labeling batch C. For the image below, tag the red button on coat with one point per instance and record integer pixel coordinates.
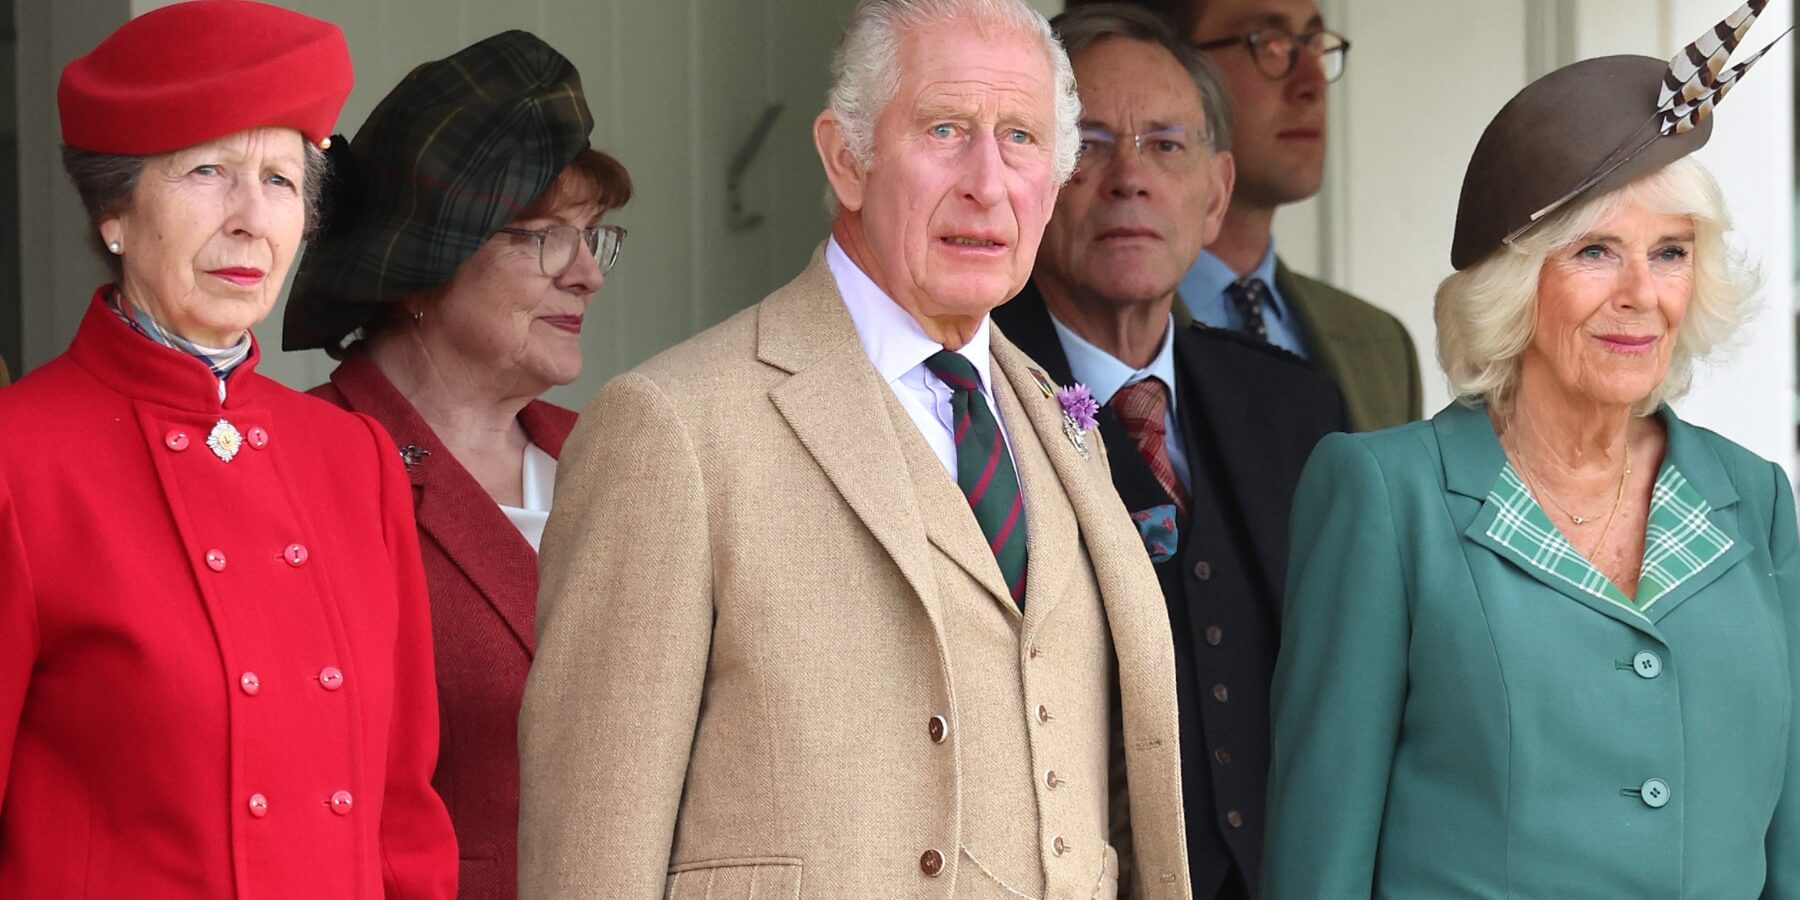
(215, 560)
(340, 803)
(257, 438)
(250, 683)
(295, 554)
(176, 440)
(330, 678)
(259, 805)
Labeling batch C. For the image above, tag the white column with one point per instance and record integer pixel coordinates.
(1749, 395)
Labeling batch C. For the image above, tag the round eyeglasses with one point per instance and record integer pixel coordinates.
(557, 245)
(1277, 50)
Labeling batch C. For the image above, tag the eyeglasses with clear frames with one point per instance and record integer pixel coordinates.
(1174, 149)
(557, 245)
(1277, 50)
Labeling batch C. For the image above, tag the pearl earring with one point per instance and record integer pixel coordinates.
(115, 248)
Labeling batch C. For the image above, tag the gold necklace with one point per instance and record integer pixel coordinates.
(1592, 551)
(1611, 514)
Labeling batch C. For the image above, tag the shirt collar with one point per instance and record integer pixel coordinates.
(1207, 279)
(1104, 374)
(892, 338)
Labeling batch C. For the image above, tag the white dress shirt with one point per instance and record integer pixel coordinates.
(898, 348)
(540, 488)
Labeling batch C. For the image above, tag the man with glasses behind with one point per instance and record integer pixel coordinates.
(1276, 58)
(1206, 429)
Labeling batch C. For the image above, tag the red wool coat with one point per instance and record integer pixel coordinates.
(215, 677)
(482, 575)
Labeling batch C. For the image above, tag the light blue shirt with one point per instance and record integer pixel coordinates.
(898, 347)
(1104, 374)
(1203, 289)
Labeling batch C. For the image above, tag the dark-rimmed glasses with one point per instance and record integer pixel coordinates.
(557, 245)
(1173, 149)
(1276, 50)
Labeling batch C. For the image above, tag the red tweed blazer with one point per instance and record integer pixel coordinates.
(482, 577)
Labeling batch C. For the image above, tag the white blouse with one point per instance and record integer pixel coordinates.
(540, 488)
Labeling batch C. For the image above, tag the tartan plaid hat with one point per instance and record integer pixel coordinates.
(458, 149)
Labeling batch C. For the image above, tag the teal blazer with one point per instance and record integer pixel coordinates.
(1461, 710)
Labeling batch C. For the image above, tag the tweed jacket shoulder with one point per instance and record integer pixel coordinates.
(1363, 347)
(740, 637)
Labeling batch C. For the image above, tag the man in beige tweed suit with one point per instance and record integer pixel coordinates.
(836, 601)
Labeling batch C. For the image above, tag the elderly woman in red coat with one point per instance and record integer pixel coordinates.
(462, 246)
(215, 652)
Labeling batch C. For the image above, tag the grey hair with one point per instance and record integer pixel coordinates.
(1485, 314)
(1083, 26)
(106, 182)
(865, 71)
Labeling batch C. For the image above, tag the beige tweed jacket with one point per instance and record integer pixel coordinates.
(741, 631)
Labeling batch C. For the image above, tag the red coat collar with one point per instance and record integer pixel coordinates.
(368, 391)
(139, 368)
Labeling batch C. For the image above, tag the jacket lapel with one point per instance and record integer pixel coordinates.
(1693, 536)
(1325, 337)
(1215, 409)
(452, 509)
(1052, 542)
(949, 523)
(1473, 463)
(836, 404)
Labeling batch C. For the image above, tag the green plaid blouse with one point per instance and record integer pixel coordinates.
(1679, 541)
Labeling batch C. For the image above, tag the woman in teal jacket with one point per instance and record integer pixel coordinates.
(1547, 644)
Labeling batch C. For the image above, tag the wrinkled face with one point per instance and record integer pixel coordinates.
(962, 181)
(501, 316)
(1279, 135)
(1609, 306)
(1130, 223)
(210, 232)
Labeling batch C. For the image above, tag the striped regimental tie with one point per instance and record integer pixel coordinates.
(984, 468)
(1143, 408)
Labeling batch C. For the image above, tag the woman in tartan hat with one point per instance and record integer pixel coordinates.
(1547, 644)
(461, 248)
(215, 657)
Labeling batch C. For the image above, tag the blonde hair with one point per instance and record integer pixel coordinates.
(1485, 314)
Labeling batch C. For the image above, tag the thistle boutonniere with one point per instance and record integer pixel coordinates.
(1078, 409)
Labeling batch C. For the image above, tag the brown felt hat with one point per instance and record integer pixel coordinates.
(1582, 130)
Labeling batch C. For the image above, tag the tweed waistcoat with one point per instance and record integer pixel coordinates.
(1005, 665)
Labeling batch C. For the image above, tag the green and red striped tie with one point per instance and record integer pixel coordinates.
(984, 468)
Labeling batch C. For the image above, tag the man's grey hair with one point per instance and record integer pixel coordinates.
(865, 72)
(1083, 26)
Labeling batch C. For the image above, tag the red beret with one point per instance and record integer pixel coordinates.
(195, 71)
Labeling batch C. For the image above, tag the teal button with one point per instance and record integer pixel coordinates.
(1655, 793)
(1646, 664)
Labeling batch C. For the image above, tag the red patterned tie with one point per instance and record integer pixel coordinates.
(1142, 408)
